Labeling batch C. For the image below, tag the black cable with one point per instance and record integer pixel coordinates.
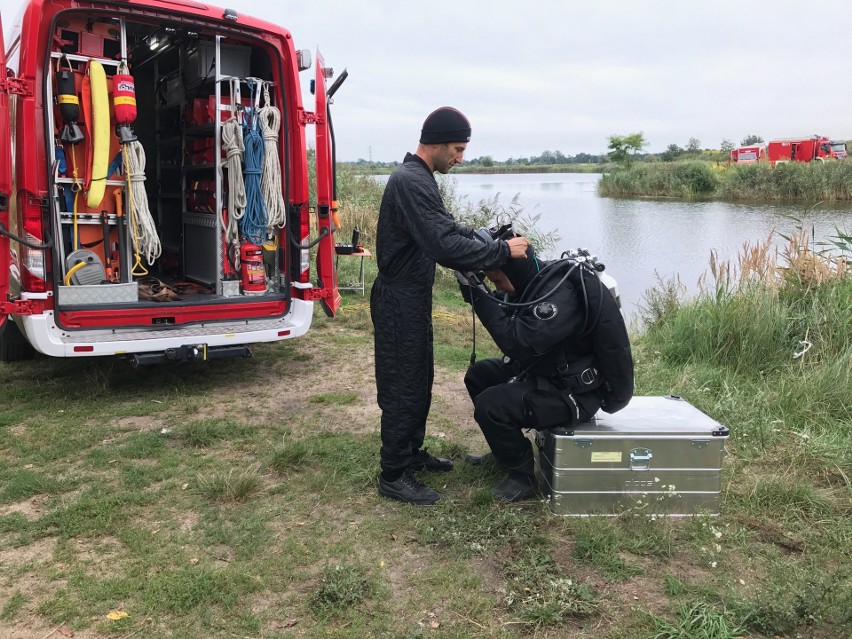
(543, 297)
(32, 245)
(322, 233)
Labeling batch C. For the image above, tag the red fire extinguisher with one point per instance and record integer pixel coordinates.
(251, 269)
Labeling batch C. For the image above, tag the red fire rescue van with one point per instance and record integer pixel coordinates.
(154, 199)
(752, 154)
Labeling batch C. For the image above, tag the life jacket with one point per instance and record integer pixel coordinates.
(604, 328)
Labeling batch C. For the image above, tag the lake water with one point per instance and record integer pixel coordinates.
(638, 239)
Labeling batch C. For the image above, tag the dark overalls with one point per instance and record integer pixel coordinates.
(414, 233)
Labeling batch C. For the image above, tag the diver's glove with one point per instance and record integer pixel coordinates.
(472, 287)
(464, 287)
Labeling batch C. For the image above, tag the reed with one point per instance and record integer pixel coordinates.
(781, 315)
(815, 181)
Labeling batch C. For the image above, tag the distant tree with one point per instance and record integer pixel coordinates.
(727, 146)
(487, 160)
(671, 153)
(751, 139)
(694, 145)
(623, 148)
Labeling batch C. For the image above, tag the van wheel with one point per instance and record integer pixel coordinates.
(13, 345)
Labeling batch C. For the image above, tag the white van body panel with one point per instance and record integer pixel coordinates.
(47, 338)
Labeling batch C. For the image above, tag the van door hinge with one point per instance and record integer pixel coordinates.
(307, 117)
(16, 86)
(22, 307)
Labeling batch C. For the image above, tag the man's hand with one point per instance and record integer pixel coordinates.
(518, 246)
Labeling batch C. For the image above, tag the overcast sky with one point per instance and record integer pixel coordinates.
(562, 75)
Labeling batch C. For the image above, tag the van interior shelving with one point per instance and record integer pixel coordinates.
(188, 81)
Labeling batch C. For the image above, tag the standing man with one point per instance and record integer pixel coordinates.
(415, 231)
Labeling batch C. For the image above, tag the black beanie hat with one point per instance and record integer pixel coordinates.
(445, 125)
(521, 270)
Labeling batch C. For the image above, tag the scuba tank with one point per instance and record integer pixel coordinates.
(69, 103)
(583, 255)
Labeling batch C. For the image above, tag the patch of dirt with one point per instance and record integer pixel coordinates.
(13, 558)
(31, 628)
(31, 508)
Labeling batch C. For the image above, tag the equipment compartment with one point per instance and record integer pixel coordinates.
(189, 84)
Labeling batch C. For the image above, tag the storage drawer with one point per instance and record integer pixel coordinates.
(660, 454)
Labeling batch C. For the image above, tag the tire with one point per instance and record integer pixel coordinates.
(14, 347)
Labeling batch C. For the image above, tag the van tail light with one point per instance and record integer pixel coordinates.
(304, 254)
(33, 266)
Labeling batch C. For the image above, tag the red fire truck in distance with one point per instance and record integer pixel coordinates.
(804, 149)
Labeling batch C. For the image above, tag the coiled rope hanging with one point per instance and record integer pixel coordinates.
(269, 120)
(232, 142)
(142, 227)
(253, 223)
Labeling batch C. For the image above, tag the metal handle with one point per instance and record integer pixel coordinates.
(640, 459)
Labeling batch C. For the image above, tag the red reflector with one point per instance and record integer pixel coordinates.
(84, 349)
(283, 333)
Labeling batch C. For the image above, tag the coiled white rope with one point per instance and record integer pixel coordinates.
(232, 142)
(270, 183)
(144, 231)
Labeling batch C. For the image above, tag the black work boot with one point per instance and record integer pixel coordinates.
(424, 461)
(520, 483)
(407, 489)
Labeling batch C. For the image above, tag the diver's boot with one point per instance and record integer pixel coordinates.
(479, 460)
(519, 483)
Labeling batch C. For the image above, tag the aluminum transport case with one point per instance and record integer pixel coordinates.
(659, 455)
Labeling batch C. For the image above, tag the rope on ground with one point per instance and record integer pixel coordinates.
(269, 119)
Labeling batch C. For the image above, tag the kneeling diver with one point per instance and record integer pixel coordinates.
(567, 354)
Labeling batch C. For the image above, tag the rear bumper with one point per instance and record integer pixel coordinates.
(47, 338)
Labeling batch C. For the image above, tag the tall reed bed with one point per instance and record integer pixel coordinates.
(780, 321)
(815, 181)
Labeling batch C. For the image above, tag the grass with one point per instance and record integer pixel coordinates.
(202, 506)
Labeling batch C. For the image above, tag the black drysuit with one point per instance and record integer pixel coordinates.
(414, 232)
(566, 357)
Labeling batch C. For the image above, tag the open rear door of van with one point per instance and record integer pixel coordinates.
(326, 195)
(5, 179)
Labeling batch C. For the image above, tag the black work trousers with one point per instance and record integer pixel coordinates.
(501, 408)
(402, 323)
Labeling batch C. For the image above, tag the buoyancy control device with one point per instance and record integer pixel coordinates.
(603, 323)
